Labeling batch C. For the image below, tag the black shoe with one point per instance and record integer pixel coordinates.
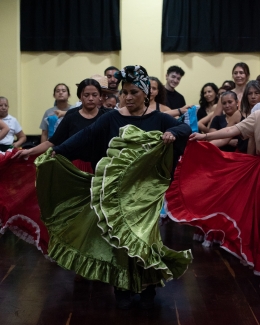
(123, 299)
(147, 297)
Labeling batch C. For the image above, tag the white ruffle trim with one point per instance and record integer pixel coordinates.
(19, 232)
(243, 258)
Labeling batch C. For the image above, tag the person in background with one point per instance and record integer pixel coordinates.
(61, 93)
(76, 119)
(229, 83)
(250, 97)
(158, 99)
(229, 103)
(240, 74)
(112, 81)
(15, 129)
(121, 99)
(173, 77)
(106, 91)
(223, 89)
(208, 100)
(110, 102)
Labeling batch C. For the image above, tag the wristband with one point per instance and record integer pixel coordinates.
(180, 111)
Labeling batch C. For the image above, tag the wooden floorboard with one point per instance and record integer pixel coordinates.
(216, 289)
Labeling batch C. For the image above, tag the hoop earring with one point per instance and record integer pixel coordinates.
(146, 101)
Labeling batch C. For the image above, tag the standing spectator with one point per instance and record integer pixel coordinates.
(110, 102)
(61, 93)
(112, 81)
(240, 74)
(173, 77)
(15, 128)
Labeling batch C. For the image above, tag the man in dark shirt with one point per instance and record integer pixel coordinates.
(112, 81)
(174, 100)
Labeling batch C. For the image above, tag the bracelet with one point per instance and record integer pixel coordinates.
(180, 111)
(206, 137)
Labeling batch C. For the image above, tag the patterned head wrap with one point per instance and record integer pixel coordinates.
(136, 75)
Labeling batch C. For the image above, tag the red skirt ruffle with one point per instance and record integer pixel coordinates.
(19, 209)
(219, 192)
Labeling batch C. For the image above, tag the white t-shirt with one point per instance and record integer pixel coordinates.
(255, 108)
(14, 127)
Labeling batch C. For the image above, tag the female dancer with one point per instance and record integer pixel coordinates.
(115, 237)
(19, 205)
(76, 119)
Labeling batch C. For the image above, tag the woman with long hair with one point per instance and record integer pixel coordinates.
(240, 74)
(251, 97)
(208, 100)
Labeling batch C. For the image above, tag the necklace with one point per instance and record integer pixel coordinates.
(144, 111)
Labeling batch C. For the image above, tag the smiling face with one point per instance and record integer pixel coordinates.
(90, 97)
(253, 96)
(173, 79)
(153, 90)
(61, 93)
(209, 94)
(229, 104)
(239, 76)
(4, 106)
(134, 98)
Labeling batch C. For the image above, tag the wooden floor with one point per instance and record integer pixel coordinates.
(216, 290)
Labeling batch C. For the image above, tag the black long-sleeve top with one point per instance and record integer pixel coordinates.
(91, 143)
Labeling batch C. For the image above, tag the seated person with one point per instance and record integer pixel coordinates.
(229, 103)
(14, 128)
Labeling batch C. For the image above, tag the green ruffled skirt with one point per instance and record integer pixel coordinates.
(105, 226)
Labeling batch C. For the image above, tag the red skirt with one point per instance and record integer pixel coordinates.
(19, 209)
(85, 166)
(219, 192)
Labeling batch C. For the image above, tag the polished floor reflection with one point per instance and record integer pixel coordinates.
(215, 290)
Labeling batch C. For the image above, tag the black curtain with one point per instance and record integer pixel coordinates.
(70, 25)
(211, 26)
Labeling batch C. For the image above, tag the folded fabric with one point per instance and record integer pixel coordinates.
(105, 226)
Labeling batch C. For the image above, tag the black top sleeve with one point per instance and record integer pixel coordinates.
(215, 123)
(62, 132)
(82, 145)
(181, 131)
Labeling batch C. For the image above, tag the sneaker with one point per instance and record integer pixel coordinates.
(123, 299)
(147, 297)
